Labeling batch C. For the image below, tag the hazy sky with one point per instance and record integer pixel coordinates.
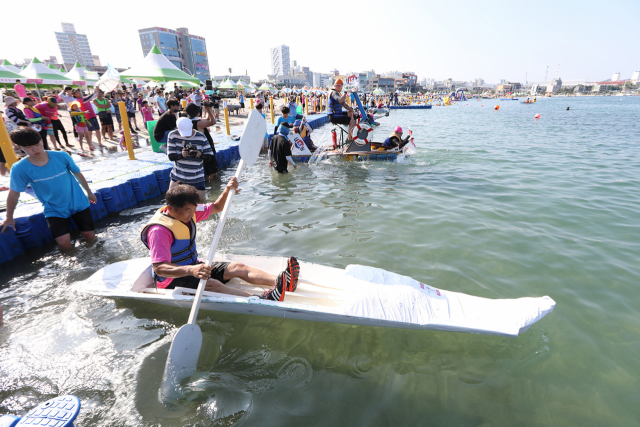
(491, 39)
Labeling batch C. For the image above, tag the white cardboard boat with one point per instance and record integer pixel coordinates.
(357, 295)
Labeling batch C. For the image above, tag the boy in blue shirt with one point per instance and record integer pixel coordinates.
(285, 122)
(51, 176)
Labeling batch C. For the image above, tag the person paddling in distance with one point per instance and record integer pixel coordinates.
(334, 109)
(170, 236)
(55, 179)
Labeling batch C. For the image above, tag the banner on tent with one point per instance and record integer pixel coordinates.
(78, 83)
(36, 81)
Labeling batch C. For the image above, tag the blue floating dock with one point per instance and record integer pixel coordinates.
(411, 107)
(118, 184)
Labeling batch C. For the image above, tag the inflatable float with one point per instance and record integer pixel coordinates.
(357, 295)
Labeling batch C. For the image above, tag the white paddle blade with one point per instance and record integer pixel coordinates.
(254, 132)
(181, 362)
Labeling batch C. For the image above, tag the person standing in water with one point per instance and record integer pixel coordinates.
(55, 179)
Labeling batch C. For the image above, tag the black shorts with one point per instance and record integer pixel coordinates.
(105, 118)
(210, 167)
(242, 105)
(340, 120)
(130, 114)
(191, 282)
(61, 226)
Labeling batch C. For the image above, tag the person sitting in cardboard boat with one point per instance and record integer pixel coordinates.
(170, 236)
(395, 140)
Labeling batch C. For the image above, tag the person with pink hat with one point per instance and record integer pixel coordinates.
(395, 139)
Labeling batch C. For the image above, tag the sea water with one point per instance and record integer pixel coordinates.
(495, 204)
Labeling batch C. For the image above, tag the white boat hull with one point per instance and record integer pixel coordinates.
(358, 295)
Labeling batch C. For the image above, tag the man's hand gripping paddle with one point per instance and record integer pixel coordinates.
(185, 348)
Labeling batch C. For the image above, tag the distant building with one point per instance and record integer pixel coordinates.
(308, 75)
(51, 60)
(616, 77)
(478, 82)
(74, 47)
(554, 86)
(280, 62)
(601, 88)
(411, 80)
(322, 79)
(291, 80)
(635, 77)
(385, 83)
(96, 61)
(186, 51)
(508, 87)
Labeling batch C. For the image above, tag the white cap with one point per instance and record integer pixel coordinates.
(185, 126)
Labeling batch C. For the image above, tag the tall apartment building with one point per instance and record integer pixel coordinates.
(280, 62)
(74, 47)
(186, 51)
(616, 77)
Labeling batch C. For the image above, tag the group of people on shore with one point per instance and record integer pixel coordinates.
(185, 117)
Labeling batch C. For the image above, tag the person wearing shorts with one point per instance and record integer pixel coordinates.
(55, 179)
(170, 236)
(104, 113)
(336, 103)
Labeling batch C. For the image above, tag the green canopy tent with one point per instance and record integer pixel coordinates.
(8, 66)
(267, 86)
(156, 66)
(78, 72)
(228, 85)
(378, 91)
(37, 73)
(62, 70)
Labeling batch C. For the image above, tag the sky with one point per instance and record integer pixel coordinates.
(459, 39)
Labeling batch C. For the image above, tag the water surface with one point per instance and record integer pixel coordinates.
(494, 204)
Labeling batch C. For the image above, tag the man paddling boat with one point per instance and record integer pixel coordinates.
(170, 236)
(334, 108)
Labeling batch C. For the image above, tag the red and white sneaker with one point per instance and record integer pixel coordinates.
(287, 281)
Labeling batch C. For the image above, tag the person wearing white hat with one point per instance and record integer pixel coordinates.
(188, 149)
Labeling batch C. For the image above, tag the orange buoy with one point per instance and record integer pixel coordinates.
(497, 107)
(537, 116)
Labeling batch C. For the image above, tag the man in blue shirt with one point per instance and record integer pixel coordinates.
(51, 176)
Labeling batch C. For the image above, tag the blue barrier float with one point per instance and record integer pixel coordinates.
(410, 107)
(118, 184)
